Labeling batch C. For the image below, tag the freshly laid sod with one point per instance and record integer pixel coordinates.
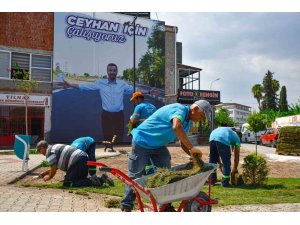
(277, 190)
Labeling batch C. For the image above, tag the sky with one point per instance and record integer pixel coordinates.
(239, 48)
(238, 43)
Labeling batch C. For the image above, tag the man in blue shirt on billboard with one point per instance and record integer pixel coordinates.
(111, 92)
(150, 139)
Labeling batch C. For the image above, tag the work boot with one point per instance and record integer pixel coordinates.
(227, 185)
(106, 179)
(96, 181)
(126, 210)
(170, 208)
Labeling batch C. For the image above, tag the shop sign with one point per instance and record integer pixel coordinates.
(19, 100)
(189, 96)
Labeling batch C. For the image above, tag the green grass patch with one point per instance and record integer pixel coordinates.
(34, 152)
(277, 190)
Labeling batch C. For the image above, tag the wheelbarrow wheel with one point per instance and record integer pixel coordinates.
(194, 206)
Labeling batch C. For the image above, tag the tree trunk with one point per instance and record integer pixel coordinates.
(26, 113)
(255, 143)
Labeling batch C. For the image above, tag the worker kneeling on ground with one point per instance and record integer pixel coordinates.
(88, 145)
(69, 159)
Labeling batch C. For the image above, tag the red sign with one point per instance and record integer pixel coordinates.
(190, 96)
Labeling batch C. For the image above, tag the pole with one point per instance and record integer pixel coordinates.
(134, 52)
(212, 82)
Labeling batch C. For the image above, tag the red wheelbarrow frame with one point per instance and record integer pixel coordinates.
(135, 186)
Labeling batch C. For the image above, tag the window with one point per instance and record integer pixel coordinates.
(19, 65)
(38, 66)
(41, 68)
(4, 64)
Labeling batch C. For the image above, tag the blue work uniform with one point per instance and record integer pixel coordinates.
(149, 142)
(88, 145)
(142, 111)
(220, 141)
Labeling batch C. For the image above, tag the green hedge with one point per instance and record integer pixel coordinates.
(289, 140)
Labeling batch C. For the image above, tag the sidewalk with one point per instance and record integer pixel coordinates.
(11, 165)
(271, 153)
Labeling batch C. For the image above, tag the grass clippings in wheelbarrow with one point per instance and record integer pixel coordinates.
(165, 176)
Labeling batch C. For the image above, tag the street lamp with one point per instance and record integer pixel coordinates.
(133, 23)
(213, 81)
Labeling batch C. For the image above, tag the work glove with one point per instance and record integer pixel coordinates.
(195, 151)
(196, 155)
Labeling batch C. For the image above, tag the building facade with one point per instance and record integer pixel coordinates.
(239, 113)
(26, 44)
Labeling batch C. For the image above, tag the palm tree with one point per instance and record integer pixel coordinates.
(257, 91)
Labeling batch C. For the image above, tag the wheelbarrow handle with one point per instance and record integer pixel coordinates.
(92, 163)
(105, 169)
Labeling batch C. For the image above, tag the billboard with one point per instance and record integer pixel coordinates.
(93, 73)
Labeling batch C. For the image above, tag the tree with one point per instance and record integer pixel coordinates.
(270, 87)
(24, 85)
(151, 66)
(256, 124)
(86, 75)
(222, 118)
(257, 91)
(283, 104)
(276, 87)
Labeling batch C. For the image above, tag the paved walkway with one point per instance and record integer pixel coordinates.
(270, 153)
(11, 165)
(21, 199)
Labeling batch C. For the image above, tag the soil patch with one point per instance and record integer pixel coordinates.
(277, 169)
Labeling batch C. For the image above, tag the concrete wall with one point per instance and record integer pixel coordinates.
(171, 77)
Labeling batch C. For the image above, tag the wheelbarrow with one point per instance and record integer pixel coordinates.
(187, 190)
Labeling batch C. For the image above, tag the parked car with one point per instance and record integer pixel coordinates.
(270, 137)
(249, 136)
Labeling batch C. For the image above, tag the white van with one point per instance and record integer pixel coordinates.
(249, 136)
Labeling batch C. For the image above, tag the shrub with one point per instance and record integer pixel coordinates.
(255, 170)
(45, 164)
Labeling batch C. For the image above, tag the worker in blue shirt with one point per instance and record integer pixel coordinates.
(88, 145)
(221, 140)
(142, 111)
(150, 139)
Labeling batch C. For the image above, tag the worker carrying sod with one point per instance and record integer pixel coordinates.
(142, 111)
(221, 141)
(150, 140)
